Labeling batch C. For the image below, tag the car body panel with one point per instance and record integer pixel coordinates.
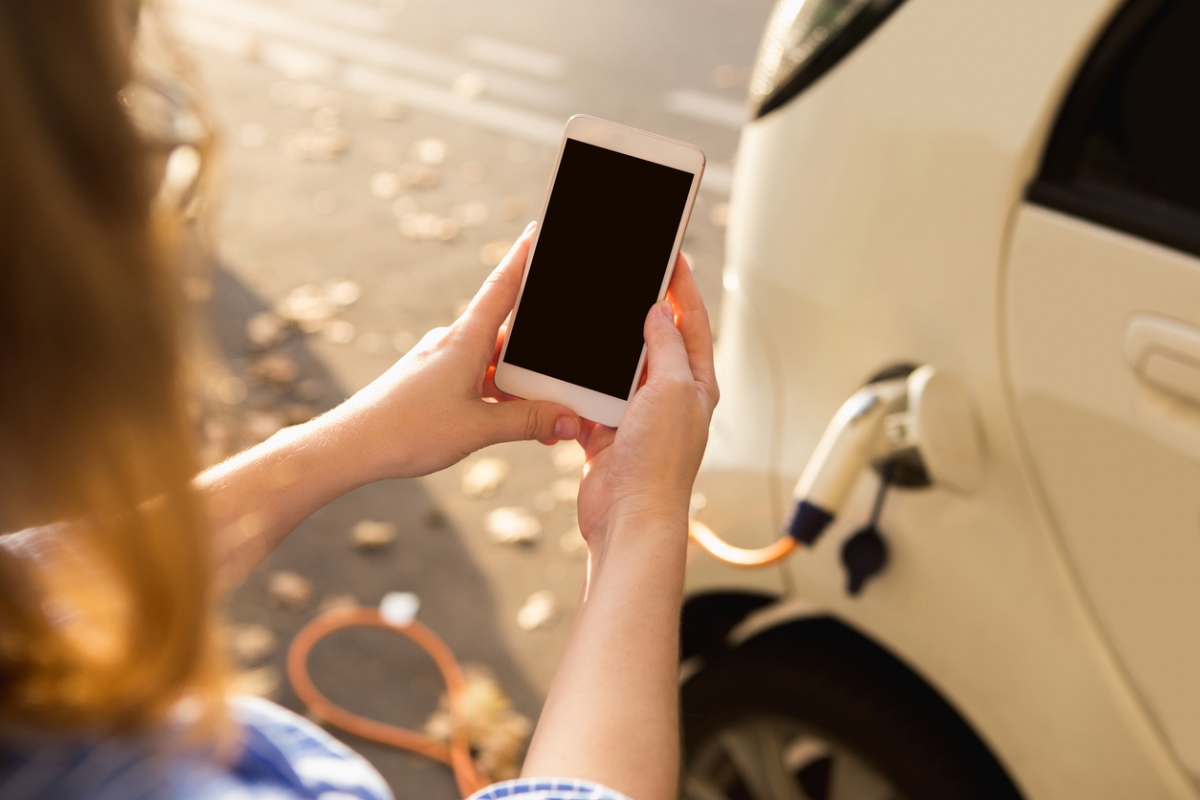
(744, 515)
(1117, 457)
(869, 225)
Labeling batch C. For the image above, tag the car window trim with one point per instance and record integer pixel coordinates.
(1137, 215)
(1055, 186)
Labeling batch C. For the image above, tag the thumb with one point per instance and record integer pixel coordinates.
(666, 355)
(493, 301)
(515, 420)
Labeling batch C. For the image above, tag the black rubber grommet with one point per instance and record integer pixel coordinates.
(808, 522)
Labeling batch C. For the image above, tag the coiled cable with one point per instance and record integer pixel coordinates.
(457, 755)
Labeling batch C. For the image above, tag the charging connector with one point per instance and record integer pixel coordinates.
(916, 426)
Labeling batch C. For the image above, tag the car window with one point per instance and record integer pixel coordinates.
(1125, 151)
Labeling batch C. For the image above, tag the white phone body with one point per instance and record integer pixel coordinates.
(601, 407)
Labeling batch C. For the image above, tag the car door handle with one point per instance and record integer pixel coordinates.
(1165, 354)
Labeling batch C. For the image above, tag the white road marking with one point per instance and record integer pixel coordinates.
(706, 108)
(298, 63)
(268, 21)
(350, 15)
(419, 94)
(293, 60)
(207, 34)
(483, 113)
(514, 57)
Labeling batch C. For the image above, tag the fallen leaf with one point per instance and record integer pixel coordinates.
(484, 477)
(512, 525)
(289, 590)
(539, 611)
(265, 329)
(429, 151)
(342, 293)
(277, 369)
(337, 602)
(418, 176)
(251, 644)
(314, 145)
(261, 682)
(262, 425)
(371, 535)
(496, 732)
(426, 226)
(307, 303)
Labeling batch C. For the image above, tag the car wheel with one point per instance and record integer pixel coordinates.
(825, 722)
(766, 756)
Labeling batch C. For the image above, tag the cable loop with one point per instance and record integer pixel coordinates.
(457, 755)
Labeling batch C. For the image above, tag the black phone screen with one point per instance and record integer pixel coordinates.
(601, 254)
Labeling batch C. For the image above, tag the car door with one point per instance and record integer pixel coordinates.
(1102, 293)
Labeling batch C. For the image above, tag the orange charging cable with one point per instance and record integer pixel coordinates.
(457, 755)
(726, 553)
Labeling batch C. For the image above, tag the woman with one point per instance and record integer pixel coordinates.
(110, 684)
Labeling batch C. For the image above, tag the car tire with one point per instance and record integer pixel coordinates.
(830, 716)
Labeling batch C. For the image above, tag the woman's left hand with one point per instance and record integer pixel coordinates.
(438, 404)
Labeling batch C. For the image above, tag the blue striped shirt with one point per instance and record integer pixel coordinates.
(282, 757)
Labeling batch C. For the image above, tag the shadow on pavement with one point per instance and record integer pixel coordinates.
(372, 672)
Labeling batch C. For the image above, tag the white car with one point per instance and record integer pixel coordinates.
(1007, 193)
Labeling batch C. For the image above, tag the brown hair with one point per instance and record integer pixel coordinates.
(92, 428)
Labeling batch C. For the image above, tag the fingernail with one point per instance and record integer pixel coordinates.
(532, 224)
(564, 428)
(667, 311)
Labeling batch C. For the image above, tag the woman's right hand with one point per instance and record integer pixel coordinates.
(645, 468)
(612, 713)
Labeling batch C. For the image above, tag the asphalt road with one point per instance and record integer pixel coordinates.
(327, 110)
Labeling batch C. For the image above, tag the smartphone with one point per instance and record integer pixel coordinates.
(602, 255)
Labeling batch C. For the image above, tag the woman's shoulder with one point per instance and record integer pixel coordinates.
(281, 746)
(282, 756)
